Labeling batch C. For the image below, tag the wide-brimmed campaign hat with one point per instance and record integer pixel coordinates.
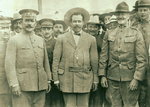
(122, 8)
(85, 13)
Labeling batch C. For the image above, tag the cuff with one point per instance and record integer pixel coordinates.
(56, 82)
(101, 72)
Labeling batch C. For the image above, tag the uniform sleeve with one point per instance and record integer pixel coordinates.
(46, 63)
(140, 57)
(94, 59)
(10, 63)
(56, 58)
(103, 56)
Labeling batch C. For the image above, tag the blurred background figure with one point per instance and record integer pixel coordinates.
(5, 93)
(59, 27)
(112, 23)
(16, 23)
(37, 29)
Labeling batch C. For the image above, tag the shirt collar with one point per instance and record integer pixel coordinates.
(77, 33)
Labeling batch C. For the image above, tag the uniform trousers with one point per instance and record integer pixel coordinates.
(76, 99)
(5, 100)
(29, 99)
(121, 95)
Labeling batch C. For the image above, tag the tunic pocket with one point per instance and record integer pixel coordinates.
(129, 43)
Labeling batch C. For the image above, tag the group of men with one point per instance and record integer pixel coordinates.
(81, 61)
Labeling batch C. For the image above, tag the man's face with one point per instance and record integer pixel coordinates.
(112, 25)
(46, 31)
(93, 29)
(5, 32)
(58, 29)
(144, 13)
(29, 24)
(77, 23)
(122, 18)
(17, 26)
(107, 18)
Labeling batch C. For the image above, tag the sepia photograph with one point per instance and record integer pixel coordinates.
(74, 53)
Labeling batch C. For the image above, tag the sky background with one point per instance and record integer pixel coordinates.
(57, 8)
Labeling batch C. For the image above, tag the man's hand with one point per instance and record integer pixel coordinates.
(94, 86)
(49, 87)
(16, 90)
(104, 82)
(133, 84)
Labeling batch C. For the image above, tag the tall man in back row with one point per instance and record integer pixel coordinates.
(75, 61)
(26, 64)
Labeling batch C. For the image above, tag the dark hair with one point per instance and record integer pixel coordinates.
(77, 13)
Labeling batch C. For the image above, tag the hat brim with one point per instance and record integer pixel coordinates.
(143, 6)
(67, 17)
(46, 19)
(16, 19)
(27, 10)
(121, 12)
(94, 23)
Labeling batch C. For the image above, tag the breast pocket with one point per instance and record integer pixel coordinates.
(129, 43)
(24, 51)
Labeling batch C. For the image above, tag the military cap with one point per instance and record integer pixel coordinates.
(46, 22)
(61, 22)
(28, 12)
(143, 3)
(85, 13)
(16, 16)
(122, 8)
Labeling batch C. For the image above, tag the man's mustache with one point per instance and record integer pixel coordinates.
(29, 26)
(77, 26)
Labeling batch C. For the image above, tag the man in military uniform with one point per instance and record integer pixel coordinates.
(59, 27)
(47, 29)
(75, 60)
(93, 27)
(5, 93)
(124, 50)
(26, 64)
(16, 24)
(143, 24)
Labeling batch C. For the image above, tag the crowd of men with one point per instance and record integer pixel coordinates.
(97, 60)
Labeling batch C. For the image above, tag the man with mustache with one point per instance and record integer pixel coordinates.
(16, 24)
(143, 24)
(124, 56)
(59, 28)
(93, 28)
(75, 61)
(5, 93)
(26, 64)
(55, 97)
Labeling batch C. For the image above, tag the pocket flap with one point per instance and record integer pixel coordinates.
(130, 39)
(22, 71)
